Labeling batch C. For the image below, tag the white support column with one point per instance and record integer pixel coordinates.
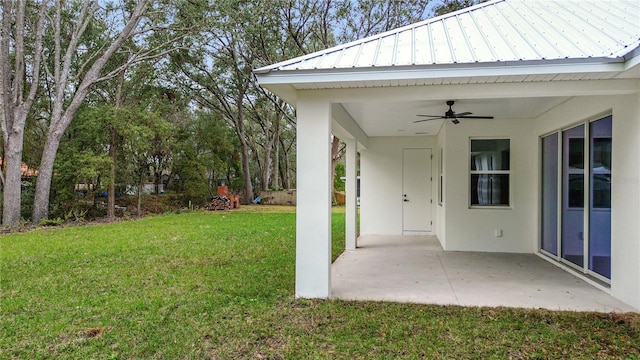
(351, 190)
(313, 210)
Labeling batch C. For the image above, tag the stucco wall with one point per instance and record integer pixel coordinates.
(473, 229)
(381, 183)
(625, 190)
(441, 220)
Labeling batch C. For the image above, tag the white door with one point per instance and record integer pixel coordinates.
(416, 191)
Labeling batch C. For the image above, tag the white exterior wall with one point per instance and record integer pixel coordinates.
(381, 183)
(313, 209)
(441, 220)
(351, 184)
(625, 190)
(469, 229)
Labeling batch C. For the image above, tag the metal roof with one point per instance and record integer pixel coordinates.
(499, 31)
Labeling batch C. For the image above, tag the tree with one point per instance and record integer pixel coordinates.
(238, 36)
(447, 6)
(82, 161)
(216, 148)
(364, 18)
(219, 65)
(61, 79)
(19, 82)
(70, 42)
(358, 19)
(141, 131)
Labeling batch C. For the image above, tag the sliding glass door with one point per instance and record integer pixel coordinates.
(572, 239)
(600, 197)
(549, 233)
(570, 166)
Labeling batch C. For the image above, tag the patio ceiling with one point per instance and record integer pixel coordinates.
(397, 118)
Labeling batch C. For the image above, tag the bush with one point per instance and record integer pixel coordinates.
(51, 222)
(338, 183)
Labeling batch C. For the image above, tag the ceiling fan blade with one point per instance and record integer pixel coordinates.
(474, 117)
(434, 118)
(451, 115)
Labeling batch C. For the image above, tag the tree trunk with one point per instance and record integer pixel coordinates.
(335, 146)
(111, 191)
(266, 169)
(286, 178)
(158, 180)
(276, 162)
(14, 107)
(113, 150)
(246, 170)
(13, 179)
(45, 174)
(139, 206)
(270, 152)
(248, 187)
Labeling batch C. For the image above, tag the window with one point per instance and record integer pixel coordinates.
(490, 172)
(601, 170)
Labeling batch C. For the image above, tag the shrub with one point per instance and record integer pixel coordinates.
(51, 222)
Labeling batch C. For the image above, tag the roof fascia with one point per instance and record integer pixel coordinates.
(519, 68)
(481, 91)
(632, 58)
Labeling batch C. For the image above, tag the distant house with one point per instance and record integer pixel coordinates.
(26, 172)
(555, 171)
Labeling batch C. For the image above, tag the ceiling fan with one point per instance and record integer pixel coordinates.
(450, 114)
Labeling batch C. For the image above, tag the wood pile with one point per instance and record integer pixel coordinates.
(224, 200)
(219, 203)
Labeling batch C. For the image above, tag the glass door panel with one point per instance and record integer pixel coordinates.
(572, 243)
(549, 241)
(600, 197)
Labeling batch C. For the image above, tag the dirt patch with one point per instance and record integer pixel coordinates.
(93, 332)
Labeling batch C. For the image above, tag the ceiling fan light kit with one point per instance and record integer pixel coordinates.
(450, 114)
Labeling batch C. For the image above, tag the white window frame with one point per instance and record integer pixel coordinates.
(489, 172)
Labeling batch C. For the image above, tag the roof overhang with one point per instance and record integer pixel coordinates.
(514, 59)
(285, 83)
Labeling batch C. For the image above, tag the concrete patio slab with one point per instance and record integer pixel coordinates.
(415, 269)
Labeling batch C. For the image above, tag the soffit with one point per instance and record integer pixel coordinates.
(395, 118)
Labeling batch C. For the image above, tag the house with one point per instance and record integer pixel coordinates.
(26, 172)
(554, 172)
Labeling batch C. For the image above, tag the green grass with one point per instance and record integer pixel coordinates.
(220, 286)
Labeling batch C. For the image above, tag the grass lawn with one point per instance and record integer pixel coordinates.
(219, 285)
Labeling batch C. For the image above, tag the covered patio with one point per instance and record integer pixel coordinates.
(492, 129)
(416, 269)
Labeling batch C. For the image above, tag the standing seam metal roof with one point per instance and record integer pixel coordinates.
(495, 31)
